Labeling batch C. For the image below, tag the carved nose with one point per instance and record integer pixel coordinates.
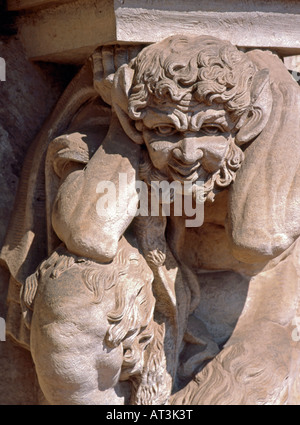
(189, 151)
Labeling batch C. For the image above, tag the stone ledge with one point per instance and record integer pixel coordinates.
(70, 31)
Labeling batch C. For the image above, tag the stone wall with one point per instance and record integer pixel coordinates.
(27, 97)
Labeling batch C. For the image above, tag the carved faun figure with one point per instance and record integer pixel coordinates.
(119, 308)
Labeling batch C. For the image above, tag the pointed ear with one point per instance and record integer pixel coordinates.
(120, 92)
(253, 121)
(103, 74)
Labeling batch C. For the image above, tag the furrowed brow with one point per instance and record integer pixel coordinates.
(201, 117)
(154, 118)
(175, 118)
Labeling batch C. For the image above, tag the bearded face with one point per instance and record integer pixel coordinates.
(187, 99)
(192, 100)
(191, 142)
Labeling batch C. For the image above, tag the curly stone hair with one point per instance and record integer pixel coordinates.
(181, 67)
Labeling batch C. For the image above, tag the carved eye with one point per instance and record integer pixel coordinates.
(165, 130)
(212, 129)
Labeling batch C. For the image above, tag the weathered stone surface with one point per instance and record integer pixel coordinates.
(149, 309)
(180, 304)
(27, 97)
(250, 24)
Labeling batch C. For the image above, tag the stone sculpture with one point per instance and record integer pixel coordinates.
(145, 310)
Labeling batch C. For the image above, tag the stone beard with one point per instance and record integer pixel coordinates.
(210, 185)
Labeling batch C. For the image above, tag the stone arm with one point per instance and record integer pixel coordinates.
(263, 219)
(75, 218)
